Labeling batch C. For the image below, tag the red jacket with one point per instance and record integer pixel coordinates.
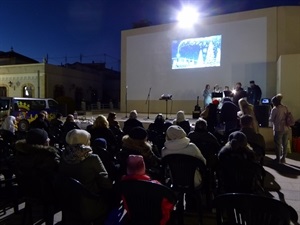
(166, 206)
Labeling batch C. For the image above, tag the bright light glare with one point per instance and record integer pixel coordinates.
(188, 16)
(234, 91)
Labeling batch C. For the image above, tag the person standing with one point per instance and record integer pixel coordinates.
(248, 109)
(280, 128)
(254, 94)
(207, 95)
(239, 93)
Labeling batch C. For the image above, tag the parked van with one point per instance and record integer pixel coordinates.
(26, 109)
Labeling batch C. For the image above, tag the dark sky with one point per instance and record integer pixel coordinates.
(64, 29)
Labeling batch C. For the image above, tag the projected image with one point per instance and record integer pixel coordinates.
(196, 52)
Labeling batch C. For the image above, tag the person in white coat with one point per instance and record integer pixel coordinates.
(178, 143)
(9, 124)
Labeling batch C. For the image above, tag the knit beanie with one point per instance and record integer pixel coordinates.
(180, 116)
(36, 136)
(237, 139)
(78, 137)
(138, 133)
(99, 143)
(135, 165)
(133, 114)
(175, 132)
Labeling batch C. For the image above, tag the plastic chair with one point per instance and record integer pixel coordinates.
(181, 169)
(144, 201)
(78, 205)
(240, 176)
(37, 190)
(249, 209)
(9, 196)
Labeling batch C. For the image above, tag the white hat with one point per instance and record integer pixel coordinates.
(77, 136)
(175, 132)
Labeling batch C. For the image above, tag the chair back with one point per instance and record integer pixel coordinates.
(249, 209)
(241, 176)
(181, 169)
(144, 200)
(79, 205)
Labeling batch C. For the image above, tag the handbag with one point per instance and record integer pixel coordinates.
(289, 119)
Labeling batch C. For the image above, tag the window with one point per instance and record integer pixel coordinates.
(28, 91)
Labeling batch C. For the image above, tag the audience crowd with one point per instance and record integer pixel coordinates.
(105, 153)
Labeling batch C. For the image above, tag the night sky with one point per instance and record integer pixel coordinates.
(65, 29)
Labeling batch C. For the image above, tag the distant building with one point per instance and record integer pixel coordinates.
(69, 84)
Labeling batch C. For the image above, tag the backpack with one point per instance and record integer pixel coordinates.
(289, 119)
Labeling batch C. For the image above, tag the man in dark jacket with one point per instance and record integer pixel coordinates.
(36, 164)
(229, 115)
(239, 93)
(254, 94)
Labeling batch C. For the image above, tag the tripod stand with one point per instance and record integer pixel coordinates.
(148, 101)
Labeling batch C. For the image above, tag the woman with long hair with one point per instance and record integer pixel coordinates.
(248, 109)
(207, 95)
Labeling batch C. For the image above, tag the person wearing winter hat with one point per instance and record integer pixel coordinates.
(79, 162)
(33, 158)
(34, 152)
(136, 170)
(178, 143)
(136, 166)
(238, 168)
(136, 143)
(99, 147)
(237, 147)
(132, 122)
(182, 121)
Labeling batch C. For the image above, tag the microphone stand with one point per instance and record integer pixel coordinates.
(148, 101)
(126, 102)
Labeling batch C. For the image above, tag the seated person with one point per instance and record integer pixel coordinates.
(99, 147)
(36, 164)
(79, 162)
(237, 147)
(178, 143)
(238, 170)
(210, 115)
(255, 140)
(9, 124)
(100, 129)
(136, 143)
(57, 121)
(156, 131)
(8, 130)
(115, 127)
(40, 122)
(55, 129)
(68, 125)
(205, 141)
(229, 115)
(132, 122)
(136, 171)
(182, 122)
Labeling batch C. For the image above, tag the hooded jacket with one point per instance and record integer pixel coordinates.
(79, 162)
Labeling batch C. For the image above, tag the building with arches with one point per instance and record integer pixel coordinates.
(21, 76)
